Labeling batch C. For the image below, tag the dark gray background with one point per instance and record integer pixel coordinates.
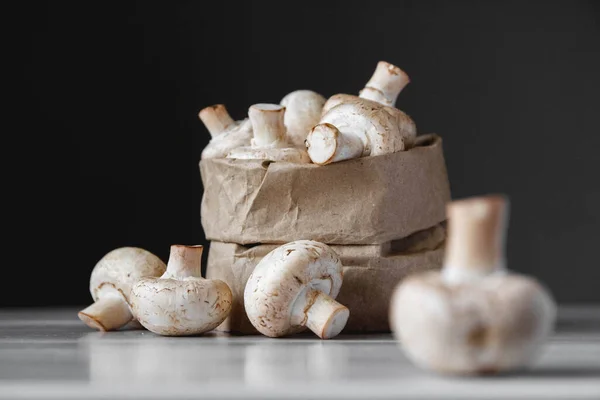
(108, 94)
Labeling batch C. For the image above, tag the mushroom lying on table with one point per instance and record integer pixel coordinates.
(111, 282)
(302, 112)
(269, 140)
(181, 302)
(367, 125)
(226, 133)
(474, 317)
(293, 287)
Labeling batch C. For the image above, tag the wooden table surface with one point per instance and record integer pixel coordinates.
(50, 354)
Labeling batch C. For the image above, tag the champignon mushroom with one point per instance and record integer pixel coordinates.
(269, 140)
(293, 287)
(111, 282)
(385, 85)
(364, 125)
(473, 317)
(226, 133)
(181, 302)
(302, 112)
(359, 128)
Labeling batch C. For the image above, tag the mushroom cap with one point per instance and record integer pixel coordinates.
(282, 277)
(177, 307)
(495, 324)
(118, 270)
(383, 129)
(236, 135)
(276, 154)
(336, 100)
(303, 111)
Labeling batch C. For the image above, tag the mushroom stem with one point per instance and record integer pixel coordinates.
(386, 84)
(215, 118)
(325, 317)
(107, 314)
(476, 236)
(325, 144)
(184, 261)
(267, 124)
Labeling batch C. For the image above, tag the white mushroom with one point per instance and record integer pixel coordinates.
(293, 287)
(302, 112)
(226, 134)
(385, 85)
(111, 283)
(474, 317)
(359, 128)
(181, 302)
(364, 125)
(269, 140)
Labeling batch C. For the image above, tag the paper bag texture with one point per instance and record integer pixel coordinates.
(369, 200)
(370, 275)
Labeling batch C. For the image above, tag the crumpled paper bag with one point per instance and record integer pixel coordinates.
(369, 200)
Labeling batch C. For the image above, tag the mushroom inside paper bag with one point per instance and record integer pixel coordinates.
(270, 141)
(364, 125)
(226, 134)
(302, 112)
(342, 128)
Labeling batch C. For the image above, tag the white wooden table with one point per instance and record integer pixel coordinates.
(51, 355)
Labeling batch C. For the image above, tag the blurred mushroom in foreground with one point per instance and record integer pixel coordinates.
(473, 317)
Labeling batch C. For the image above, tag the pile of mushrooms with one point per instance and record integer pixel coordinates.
(307, 128)
(473, 317)
(291, 289)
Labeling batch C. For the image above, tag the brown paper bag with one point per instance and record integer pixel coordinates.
(370, 275)
(369, 200)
